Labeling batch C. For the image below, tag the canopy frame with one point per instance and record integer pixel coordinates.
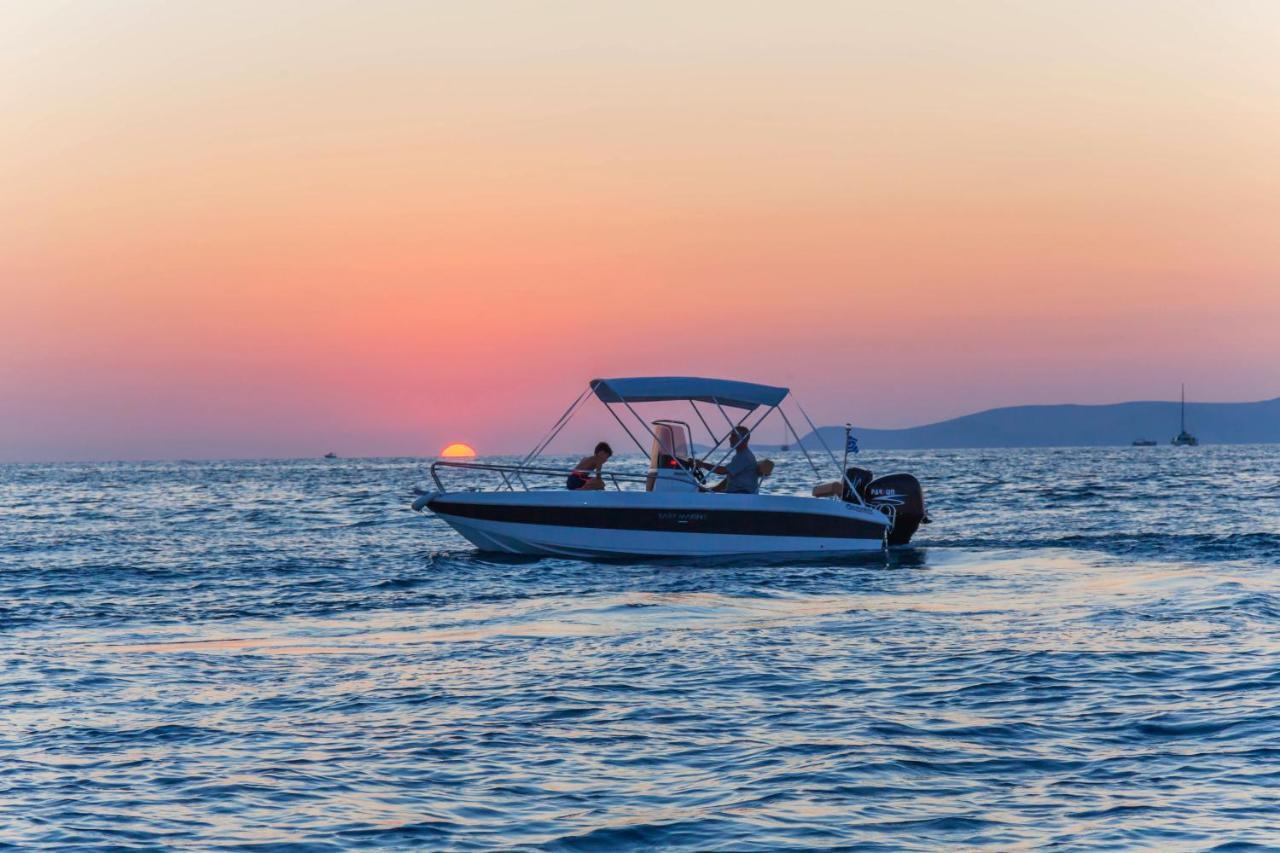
(610, 392)
(746, 396)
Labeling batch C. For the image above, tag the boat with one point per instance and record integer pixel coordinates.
(1184, 438)
(669, 511)
(331, 455)
(1143, 442)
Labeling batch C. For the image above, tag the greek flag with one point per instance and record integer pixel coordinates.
(851, 444)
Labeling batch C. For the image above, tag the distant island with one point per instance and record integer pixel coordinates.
(1073, 425)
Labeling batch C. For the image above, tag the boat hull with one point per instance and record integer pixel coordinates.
(645, 524)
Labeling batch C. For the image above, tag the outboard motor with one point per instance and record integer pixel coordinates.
(900, 497)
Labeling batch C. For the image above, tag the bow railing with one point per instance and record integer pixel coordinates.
(513, 475)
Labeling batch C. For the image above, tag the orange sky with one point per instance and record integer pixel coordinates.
(243, 229)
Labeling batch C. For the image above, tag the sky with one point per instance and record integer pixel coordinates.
(245, 229)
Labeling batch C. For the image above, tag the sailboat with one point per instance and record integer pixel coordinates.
(1184, 438)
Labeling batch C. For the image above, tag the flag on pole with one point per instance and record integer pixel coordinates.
(851, 444)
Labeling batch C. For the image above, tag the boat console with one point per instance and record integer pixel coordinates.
(671, 464)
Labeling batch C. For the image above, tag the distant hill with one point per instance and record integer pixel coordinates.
(1070, 425)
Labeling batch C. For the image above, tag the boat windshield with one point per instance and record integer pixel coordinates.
(671, 442)
(671, 456)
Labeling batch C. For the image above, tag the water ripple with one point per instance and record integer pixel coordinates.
(1081, 651)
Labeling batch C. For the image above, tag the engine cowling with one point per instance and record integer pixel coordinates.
(900, 497)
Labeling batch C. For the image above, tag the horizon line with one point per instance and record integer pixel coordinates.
(260, 458)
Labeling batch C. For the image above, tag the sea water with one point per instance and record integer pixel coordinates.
(1083, 649)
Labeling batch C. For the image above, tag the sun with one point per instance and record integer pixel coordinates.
(457, 450)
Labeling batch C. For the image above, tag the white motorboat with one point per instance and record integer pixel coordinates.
(669, 511)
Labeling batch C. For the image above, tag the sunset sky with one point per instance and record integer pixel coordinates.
(235, 229)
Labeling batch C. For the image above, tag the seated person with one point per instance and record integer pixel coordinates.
(581, 478)
(860, 477)
(742, 474)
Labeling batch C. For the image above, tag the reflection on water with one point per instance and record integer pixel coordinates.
(1081, 651)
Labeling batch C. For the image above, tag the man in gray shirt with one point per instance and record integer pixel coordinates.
(742, 474)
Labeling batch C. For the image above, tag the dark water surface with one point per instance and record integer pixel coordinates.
(1083, 650)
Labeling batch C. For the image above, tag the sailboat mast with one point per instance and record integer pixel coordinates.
(1182, 418)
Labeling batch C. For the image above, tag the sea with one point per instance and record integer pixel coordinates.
(1082, 651)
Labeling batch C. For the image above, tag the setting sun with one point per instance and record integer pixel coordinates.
(457, 450)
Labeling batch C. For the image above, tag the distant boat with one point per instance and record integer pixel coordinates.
(1184, 438)
(331, 455)
(1143, 442)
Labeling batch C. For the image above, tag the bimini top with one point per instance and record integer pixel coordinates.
(652, 389)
